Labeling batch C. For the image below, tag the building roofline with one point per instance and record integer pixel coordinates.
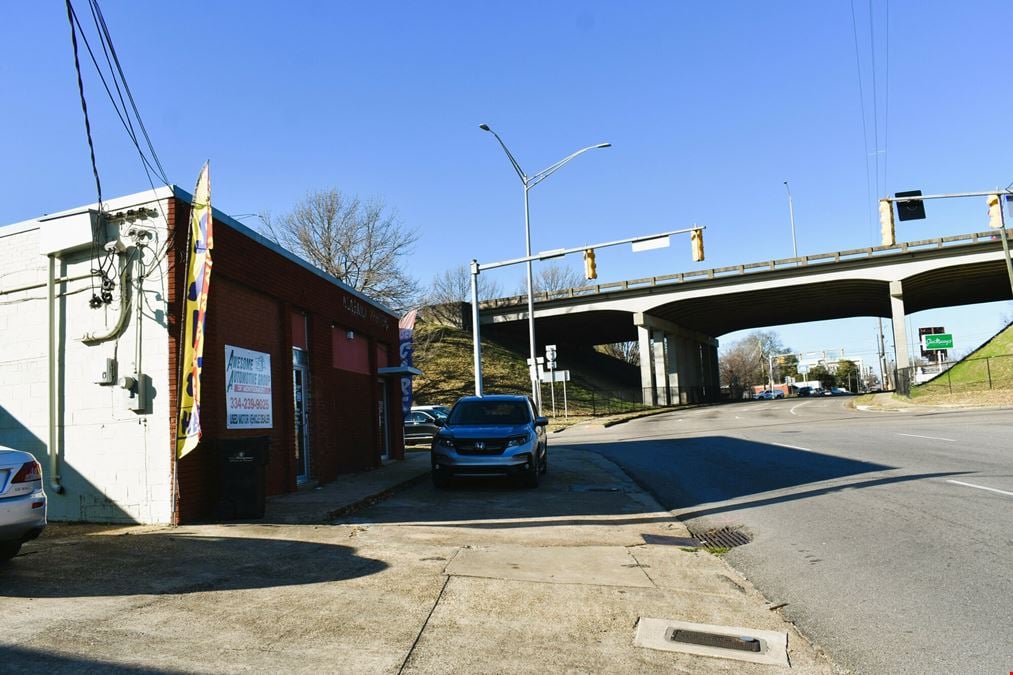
(221, 216)
(149, 196)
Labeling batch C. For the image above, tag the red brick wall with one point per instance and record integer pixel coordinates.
(253, 293)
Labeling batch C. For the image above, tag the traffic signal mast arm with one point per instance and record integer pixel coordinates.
(560, 252)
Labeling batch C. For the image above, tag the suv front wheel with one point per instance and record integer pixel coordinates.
(531, 476)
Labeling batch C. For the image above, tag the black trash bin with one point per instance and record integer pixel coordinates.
(243, 475)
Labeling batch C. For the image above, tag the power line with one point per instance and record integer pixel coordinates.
(865, 130)
(886, 95)
(875, 95)
(96, 301)
(126, 87)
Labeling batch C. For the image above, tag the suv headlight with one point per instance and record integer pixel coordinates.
(518, 440)
(445, 442)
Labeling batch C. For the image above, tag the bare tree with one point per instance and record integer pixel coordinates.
(450, 288)
(624, 351)
(745, 363)
(552, 277)
(454, 285)
(361, 243)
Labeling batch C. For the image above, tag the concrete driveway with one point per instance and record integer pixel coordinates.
(483, 577)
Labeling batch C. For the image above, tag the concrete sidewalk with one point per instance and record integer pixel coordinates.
(347, 492)
(583, 574)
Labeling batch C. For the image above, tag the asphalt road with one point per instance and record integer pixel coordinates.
(888, 535)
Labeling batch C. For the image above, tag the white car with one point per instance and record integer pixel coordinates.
(22, 501)
(768, 395)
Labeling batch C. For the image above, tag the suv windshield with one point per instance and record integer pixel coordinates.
(489, 412)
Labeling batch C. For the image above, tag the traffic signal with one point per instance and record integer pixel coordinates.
(886, 222)
(590, 269)
(696, 240)
(911, 209)
(994, 211)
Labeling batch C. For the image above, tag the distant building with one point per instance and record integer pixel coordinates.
(326, 360)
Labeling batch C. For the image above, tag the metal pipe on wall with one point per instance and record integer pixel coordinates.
(54, 370)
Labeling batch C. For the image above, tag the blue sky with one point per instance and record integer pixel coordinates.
(709, 107)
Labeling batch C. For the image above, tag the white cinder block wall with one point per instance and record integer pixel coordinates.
(114, 462)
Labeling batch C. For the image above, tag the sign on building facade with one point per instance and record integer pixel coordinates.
(247, 389)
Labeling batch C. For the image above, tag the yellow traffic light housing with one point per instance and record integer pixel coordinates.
(696, 240)
(590, 269)
(994, 212)
(886, 222)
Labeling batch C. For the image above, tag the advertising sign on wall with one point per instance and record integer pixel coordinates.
(247, 389)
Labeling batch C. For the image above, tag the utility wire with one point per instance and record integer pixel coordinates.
(117, 76)
(886, 113)
(875, 95)
(72, 19)
(865, 130)
(130, 96)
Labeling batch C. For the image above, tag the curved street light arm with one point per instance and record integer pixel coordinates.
(545, 173)
(517, 167)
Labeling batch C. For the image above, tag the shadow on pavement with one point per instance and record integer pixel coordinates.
(686, 472)
(792, 496)
(160, 563)
(24, 660)
(681, 473)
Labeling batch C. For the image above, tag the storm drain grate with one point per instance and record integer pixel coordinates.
(725, 537)
(742, 643)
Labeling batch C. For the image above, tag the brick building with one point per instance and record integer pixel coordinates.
(104, 396)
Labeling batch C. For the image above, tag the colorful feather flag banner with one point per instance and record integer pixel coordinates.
(406, 327)
(198, 280)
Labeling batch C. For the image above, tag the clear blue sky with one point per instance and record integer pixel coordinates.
(709, 106)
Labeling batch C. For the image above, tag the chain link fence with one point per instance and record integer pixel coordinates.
(956, 377)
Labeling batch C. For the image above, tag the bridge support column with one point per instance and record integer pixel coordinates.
(646, 366)
(711, 377)
(683, 366)
(899, 325)
(661, 393)
(674, 363)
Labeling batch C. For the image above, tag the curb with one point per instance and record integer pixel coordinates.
(376, 498)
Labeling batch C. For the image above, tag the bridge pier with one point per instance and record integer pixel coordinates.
(677, 366)
(898, 316)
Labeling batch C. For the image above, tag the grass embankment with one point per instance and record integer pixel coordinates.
(983, 377)
(444, 355)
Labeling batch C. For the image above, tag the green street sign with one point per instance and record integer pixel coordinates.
(939, 341)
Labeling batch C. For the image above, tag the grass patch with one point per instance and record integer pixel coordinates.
(717, 550)
(444, 355)
(988, 368)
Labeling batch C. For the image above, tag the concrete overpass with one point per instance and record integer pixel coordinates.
(677, 318)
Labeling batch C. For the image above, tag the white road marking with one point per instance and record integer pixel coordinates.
(931, 438)
(980, 487)
(792, 411)
(793, 447)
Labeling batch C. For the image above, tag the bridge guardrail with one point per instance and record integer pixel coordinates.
(749, 268)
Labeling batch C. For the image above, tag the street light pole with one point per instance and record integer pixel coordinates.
(791, 215)
(529, 182)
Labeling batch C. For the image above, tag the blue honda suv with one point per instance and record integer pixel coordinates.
(497, 435)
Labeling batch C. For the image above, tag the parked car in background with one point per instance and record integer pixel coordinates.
(805, 392)
(435, 410)
(22, 501)
(838, 391)
(496, 435)
(768, 395)
(421, 425)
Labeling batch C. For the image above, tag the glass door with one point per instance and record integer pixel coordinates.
(300, 394)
